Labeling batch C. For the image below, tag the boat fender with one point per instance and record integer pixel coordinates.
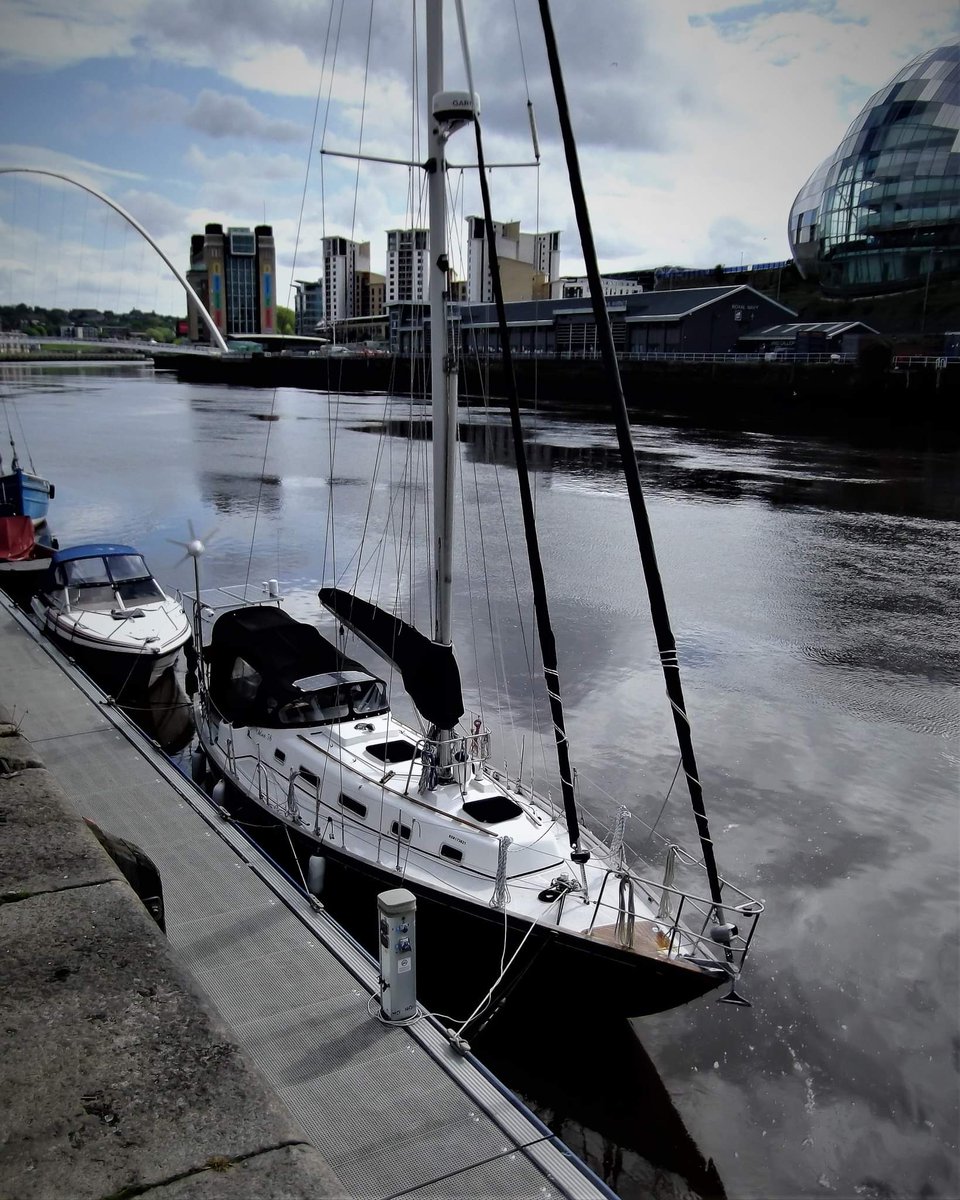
(191, 682)
(219, 792)
(316, 874)
(198, 765)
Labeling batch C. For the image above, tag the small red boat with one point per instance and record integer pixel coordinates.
(18, 540)
(22, 558)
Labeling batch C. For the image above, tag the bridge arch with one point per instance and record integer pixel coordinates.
(201, 307)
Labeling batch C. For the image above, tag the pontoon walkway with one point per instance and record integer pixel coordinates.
(391, 1110)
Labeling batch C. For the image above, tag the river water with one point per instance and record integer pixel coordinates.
(813, 591)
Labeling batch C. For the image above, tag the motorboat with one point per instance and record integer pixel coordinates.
(102, 606)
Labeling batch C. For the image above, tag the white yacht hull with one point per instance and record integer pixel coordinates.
(355, 814)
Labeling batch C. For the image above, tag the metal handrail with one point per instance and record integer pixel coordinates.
(751, 910)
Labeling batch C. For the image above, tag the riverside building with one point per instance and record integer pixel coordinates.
(234, 274)
(529, 262)
(882, 213)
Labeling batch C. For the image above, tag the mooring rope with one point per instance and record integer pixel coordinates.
(501, 893)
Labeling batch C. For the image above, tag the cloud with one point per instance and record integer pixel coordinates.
(696, 122)
(254, 170)
(219, 115)
(158, 215)
(284, 48)
(62, 32)
(39, 158)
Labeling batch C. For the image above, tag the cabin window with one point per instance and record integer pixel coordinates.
(353, 806)
(368, 698)
(334, 696)
(329, 704)
(399, 830)
(309, 777)
(452, 853)
(244, 680)
(399, 750)
(279, 756)
(491, 810)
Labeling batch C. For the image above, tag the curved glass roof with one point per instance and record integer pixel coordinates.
(883, 211)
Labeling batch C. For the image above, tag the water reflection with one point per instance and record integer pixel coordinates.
(237, 492)
(768, 468)
(163, 711)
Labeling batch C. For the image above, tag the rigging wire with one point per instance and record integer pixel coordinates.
(306, 174)
(661, 621)
(548, 650)
(363, 113)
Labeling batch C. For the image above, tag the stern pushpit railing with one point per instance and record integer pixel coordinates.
(686, 924)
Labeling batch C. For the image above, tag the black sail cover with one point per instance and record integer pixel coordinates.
(428, 669)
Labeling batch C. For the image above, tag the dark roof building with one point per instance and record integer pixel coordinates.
(708, 320)
(882, 213)
(835, 336)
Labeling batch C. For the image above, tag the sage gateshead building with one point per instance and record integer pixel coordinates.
(882, 213)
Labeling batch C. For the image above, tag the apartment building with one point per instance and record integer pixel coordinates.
(529, 262)
(577, 287)
(408, 266)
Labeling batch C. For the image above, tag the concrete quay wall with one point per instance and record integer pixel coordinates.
(116, 1077)
(780, 397)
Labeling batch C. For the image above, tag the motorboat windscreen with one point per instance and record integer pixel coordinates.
(103, 581)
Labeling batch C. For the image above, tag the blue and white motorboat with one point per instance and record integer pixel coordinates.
(103, 608)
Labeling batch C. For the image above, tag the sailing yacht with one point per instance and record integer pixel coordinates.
(307, 733)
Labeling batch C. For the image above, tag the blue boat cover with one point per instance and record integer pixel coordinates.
(93, 550)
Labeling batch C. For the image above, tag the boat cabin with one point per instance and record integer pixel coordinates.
(268, 669)
(99, 577)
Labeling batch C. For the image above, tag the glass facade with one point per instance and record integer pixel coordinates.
(882, 213)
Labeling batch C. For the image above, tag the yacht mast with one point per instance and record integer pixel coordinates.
(443, 366)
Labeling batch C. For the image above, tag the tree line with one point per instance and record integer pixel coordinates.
(48, 322)
(36, 321)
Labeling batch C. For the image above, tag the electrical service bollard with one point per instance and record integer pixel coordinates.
(398, 954)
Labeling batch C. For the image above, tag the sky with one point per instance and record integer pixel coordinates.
(697, 123)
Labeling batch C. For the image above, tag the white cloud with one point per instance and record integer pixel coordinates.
(62, 33)
(279, 70)
(258, 172)
(220, 115)
(41, 158)
(155, 212)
